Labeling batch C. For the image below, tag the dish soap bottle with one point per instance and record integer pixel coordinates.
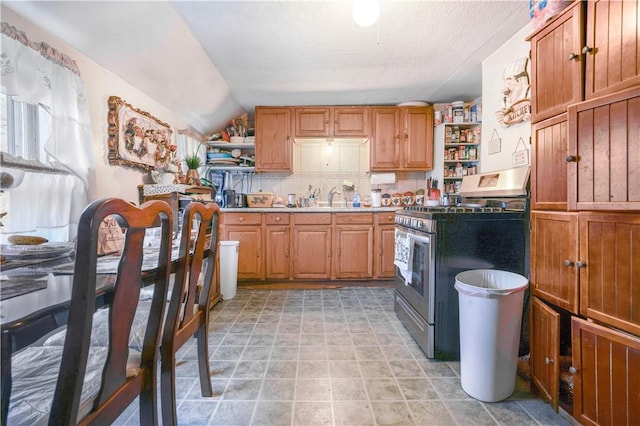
(356, 197)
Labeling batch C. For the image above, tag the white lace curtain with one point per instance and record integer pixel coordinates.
(44, 203)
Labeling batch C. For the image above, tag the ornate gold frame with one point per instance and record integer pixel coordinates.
(135, 136)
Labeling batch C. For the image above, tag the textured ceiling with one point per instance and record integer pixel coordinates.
(210, 60)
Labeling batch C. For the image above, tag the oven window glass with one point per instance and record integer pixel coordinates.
(420, 267)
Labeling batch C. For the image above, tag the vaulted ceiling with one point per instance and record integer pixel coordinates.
(211, 60)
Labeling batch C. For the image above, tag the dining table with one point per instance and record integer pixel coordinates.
(35, 293)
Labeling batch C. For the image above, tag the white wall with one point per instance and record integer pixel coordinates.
(492, 83)
(110, 181)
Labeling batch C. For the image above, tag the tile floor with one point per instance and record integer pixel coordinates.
(329, 357)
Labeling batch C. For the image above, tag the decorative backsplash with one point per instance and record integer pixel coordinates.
(324, 164)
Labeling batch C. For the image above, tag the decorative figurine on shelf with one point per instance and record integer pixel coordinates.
(235, 131)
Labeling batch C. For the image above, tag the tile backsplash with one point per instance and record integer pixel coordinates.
(325, 164)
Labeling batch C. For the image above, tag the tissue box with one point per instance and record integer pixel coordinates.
(260, 199)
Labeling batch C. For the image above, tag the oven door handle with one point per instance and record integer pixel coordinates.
(420, 238)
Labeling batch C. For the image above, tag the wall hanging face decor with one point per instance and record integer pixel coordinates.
(515, 100)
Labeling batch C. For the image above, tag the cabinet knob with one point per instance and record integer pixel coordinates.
(586, 50)
(573, 56)
(278, 219)
(571, 158)
(572, 370)
(326, 122)
(568, 263)
(241, 219)
(548, 360)
(580, 264)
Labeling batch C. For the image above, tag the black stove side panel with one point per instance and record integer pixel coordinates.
(482, 241)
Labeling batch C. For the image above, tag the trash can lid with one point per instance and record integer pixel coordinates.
(229, 243)
(490, 283)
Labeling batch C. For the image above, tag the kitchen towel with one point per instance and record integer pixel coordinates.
(403, 255)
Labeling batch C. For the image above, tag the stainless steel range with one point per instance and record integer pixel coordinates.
(488, 229)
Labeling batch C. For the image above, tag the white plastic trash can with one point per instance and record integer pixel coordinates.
(490, 303)
(229, 268)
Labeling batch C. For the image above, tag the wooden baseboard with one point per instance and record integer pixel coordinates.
(311, 285)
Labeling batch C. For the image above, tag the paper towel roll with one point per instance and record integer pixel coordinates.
(381, 178)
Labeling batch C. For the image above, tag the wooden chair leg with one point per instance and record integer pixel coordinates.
(203, 360)
(168, 389)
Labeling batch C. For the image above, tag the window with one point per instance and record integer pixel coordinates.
(35, 189)
(22, 126)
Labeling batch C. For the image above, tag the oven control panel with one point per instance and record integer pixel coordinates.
(417, 223)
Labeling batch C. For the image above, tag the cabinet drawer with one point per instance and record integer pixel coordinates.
(277, 218)
(347, 218)
(385, 218)
(241, 218)
(312, 218)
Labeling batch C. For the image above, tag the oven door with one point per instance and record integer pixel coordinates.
(418, 288)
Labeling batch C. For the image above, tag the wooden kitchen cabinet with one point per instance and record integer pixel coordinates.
(247, 229)
(610, 281)
(548, 164)
(401, 139)
(274, 139)
(418, 138)
(331, 122)
(384, 245)
(385, 138)
(545, 351)
(353, 246)
(555, 258)
(311, 245)
(606, 378)
(557, 65)
(277, 242)
(612, 47)
(603, 154)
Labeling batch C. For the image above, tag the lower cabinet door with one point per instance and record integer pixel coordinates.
(249, 250)
(607, 375)
(545, 351)
(311, 252)
(354, 250)
(276, 240)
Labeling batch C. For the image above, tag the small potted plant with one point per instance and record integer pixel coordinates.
(193, 162)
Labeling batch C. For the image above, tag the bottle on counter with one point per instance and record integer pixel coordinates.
(356, 197)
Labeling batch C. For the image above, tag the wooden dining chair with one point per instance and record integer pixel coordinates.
(189, 304)
(95, 384)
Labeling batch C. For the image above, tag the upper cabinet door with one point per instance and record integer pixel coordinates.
(418, 138)
(351, 122)
(612, 48)
(557, 66)
(385, 138)
(274, 143)
(548, 163)
(313, 122)
(604, 152)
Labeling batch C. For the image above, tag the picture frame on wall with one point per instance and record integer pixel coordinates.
(136, 138)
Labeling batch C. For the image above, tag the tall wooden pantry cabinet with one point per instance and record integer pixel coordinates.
(585, 219)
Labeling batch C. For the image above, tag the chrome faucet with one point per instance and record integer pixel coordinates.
(332, 192)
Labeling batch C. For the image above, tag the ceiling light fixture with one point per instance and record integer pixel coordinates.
(366, 12)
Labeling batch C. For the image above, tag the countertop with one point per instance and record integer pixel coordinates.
(311, 209)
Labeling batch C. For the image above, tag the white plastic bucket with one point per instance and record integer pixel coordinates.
(490, 303)
(229, 269)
